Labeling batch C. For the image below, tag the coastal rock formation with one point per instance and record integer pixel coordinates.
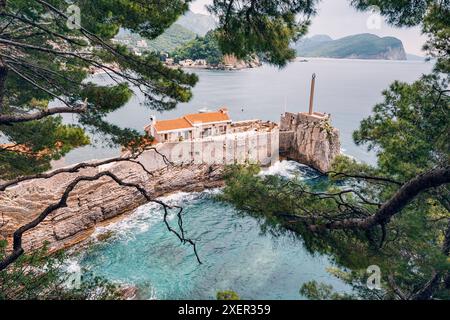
(309, 139)
(231, 62)
(91, 203)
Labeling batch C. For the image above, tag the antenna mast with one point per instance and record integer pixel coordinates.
(311, 98)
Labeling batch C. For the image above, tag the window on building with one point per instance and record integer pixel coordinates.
(206, 132)
(166, 137)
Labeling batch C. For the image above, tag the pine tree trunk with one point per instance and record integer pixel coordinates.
(446, 250)
(3, 75)
(399, 200)
(3, 69)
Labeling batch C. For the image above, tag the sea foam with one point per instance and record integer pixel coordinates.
(289, 170)
(147, 215)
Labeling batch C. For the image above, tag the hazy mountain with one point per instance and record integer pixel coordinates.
(184, 30)
(361, 46)
(197, 22)
(172, 38)
(307, 44)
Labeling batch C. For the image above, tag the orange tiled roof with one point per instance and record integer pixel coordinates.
(207, 117)
(189, 120)
(167, 125)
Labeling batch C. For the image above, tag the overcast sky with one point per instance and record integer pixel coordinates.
(337, 19)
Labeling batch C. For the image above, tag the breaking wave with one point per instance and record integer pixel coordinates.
(290, 170)
(147, 215)
(143, 218)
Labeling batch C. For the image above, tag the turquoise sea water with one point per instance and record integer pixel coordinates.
(235, 253)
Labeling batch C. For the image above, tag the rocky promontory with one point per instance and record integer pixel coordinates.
(92, 203)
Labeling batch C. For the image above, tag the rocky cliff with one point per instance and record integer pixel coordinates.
(231, 62)
(91, 203)
(309, 139)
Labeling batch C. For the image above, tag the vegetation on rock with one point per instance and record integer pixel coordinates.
(172, 38)
(206, 48)
(361, 46)
(227, 295)
(38, 276)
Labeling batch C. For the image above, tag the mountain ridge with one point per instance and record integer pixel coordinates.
(359, 46)
(197, 22)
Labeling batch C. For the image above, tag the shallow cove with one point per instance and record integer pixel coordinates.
(235, 253)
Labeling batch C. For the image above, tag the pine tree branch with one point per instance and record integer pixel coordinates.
(85, 165)
(336, 174)
(396, 203)
(16, 118)
(62, 203)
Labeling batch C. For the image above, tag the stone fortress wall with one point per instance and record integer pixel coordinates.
(249, 142)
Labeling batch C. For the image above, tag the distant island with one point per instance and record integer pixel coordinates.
(360, 46)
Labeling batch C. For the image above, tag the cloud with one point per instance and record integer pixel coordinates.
(198, 6)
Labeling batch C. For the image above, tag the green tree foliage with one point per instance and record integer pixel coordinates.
(227, 295)
(319, 291)
(45, 62)
(174, 37)
(266, 28)
(42, 59)
(45, 140)
(206, 48)
(409, 130)
(409, 133)
(410, 251)
(37, 276)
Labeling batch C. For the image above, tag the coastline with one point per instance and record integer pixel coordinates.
(93, 204)
(213, 68)
(299, 58)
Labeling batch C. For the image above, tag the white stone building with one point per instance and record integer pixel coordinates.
(190, 127)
